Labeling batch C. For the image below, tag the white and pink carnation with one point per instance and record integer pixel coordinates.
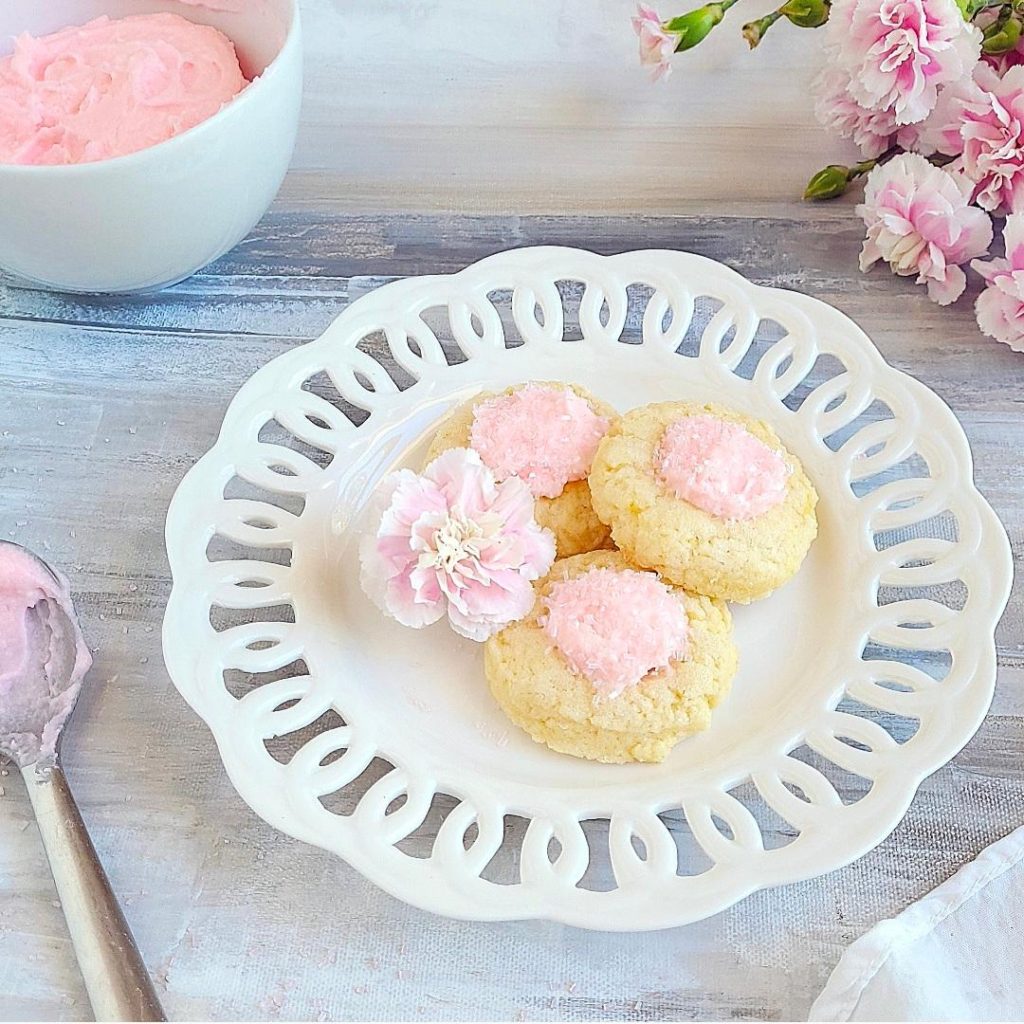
(656, 45)
(981, 122)
(1000, 307)
(453, 541)
(919, 221)
(1002, 62)
(898, 53)
(872, 131)
(839, 113)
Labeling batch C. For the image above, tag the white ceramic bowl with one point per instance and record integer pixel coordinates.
(154, 217)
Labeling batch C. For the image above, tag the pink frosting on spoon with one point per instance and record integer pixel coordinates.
(615, 626)
(43, 657)
(545, 435)
(111, 87)
(721, 468)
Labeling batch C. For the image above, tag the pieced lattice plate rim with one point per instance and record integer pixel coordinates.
(873, 667)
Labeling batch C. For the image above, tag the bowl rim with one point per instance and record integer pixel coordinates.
(244, 98)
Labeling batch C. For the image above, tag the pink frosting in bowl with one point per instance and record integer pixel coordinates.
(721, 468)
(111, 87)
(547, 436)
(615, 626)
(233, 6)
(155, 216)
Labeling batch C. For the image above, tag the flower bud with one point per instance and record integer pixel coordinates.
(828, 183)
(1001, 36)
(754, 31)
(806, 13)
(694, 26)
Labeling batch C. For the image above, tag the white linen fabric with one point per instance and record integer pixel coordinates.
(956, 954)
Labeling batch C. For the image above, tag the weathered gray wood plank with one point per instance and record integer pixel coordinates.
(105, 403)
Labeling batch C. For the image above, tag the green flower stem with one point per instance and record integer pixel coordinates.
(1003, 34)
(975, 7)
(863, 167)
(802, 13)
(754, 31)
(835, 179)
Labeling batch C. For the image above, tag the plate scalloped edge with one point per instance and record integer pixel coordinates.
(890, 445)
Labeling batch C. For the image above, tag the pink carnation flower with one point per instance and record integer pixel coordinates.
(1000, 307)
(452, 540)
(1002, 62)
(898, 53)
(656, 45)
(872, 131)
(981, 121)
(919, 222)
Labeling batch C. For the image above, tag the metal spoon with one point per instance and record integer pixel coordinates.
(116, 979)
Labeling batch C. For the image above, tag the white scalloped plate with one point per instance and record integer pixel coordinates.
(868, 671)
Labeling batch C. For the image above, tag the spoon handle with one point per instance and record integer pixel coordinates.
(116, 979)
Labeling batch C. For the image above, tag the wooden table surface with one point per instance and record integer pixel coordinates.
(104, 405)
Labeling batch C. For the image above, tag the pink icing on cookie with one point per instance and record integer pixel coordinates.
(721, 468)
(615, 626)
(546, 436)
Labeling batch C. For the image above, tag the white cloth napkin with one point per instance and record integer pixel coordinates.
(957, 954)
